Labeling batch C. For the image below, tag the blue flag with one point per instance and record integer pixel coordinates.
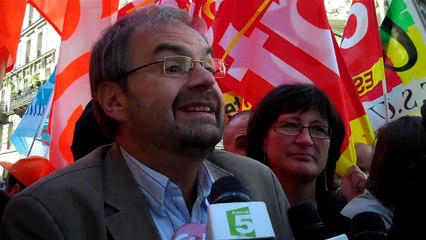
(31, 136)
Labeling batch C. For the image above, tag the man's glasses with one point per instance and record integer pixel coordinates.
(179, 66)
(294, 129)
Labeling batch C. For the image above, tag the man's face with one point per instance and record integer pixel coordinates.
(235, 134)
(11, 190)
(364, 154)
(179, 114)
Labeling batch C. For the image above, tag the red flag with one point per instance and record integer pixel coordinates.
(52, 11)
(403, 39)
(269, 43)
(362, 52)
(361, 47)
(11, 18)
(397, 90)
(83, 22)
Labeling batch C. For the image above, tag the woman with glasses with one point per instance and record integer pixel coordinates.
(296, 130)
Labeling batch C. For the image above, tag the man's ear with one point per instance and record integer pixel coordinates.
(113, 100)
(11, 191)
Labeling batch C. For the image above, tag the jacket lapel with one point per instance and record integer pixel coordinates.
(216, 171)
(127, 214)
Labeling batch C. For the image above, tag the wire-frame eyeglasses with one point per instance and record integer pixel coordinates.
(179, 66)
(294, 129)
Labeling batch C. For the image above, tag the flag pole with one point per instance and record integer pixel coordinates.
(44, 117)
(385, 95)
(384, 85)
(36, 133)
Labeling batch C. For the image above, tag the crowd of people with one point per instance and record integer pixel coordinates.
(147, 161)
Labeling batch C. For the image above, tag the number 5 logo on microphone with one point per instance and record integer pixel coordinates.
(240, 222)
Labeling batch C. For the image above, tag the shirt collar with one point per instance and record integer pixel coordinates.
(154, 184)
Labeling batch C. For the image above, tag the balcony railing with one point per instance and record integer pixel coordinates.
(20, 99)
(23, 97)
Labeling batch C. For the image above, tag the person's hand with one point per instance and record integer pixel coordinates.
(354, 183)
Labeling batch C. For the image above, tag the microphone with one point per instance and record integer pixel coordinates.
(232, 215)
(228, 189)
(306, 223)
(368, 226)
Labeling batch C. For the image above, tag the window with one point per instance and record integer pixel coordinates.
(30, 15)
(27, 51)
(39, 43)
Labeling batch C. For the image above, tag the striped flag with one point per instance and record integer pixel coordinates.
(83, 20)
(403, 39)
(388, 64)
(79, 22)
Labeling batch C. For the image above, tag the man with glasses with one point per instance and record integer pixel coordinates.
(154, 93)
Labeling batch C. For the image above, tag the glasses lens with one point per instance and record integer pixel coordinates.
(319, 132)
(288, 128)
(294, 129)
(177, 66)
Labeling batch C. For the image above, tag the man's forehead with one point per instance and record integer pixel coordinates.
(180, 39)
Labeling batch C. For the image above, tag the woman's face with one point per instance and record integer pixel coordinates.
(302, 155)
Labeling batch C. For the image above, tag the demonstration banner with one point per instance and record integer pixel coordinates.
(265, 43)
(393, 85)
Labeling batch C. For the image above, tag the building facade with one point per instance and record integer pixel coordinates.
(35, 61)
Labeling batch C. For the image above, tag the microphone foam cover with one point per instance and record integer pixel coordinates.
(228, 189)
(367, 224)
(305, 222)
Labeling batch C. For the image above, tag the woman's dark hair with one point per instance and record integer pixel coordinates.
(410, 207)
(399, 146)
(290, 98)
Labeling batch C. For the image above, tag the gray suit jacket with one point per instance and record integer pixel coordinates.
(97, 198)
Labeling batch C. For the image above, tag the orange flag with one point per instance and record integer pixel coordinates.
(82, 24)
(79, 22)
(11, 19)
(52, 11)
